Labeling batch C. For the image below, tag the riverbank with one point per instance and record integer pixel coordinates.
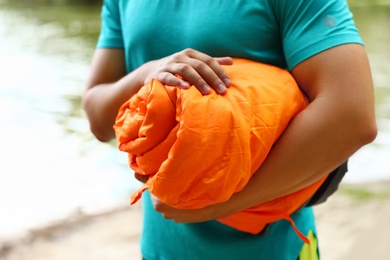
(368, 2)
(353, 224)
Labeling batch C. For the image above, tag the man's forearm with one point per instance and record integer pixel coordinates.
(339, 120)
(311, 147)
(107, 88)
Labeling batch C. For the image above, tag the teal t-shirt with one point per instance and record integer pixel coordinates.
(278, 32)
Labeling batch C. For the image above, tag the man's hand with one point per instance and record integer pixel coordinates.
(109, 86)
(194, 68)
(191, 215)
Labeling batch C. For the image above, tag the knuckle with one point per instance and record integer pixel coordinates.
(188, 51)
(208, 60)
(199, 66)
(200, 82)
(183, 67)
(163, 77)
(223, 75)
(177, 57)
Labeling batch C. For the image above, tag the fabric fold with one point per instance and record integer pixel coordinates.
(199, 150)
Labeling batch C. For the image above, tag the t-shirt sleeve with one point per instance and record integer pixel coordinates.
(111, 28)
(309, 27)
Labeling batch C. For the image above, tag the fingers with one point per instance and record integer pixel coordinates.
(203, 75)
(224, 60)
(198, 69)
(203, 71)
(170, 79)
(160, 207)
(182, 215)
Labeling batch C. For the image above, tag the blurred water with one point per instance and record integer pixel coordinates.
(50, 163)
(372, 162)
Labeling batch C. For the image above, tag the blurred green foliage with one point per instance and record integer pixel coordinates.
(364, 193)
(53, 2)
(94, 2)
(368, 2)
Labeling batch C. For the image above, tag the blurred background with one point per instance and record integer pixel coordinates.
(51, 166)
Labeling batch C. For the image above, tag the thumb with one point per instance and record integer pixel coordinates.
(224, 60)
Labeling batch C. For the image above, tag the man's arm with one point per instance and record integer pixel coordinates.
(108, 85)
(339, 120)
(105, 92)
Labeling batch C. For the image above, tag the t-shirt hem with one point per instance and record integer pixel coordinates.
(110, 43)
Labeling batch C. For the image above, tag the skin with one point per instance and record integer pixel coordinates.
(110, 86)
(339, 120)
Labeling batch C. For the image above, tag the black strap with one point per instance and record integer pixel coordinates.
(330, 185)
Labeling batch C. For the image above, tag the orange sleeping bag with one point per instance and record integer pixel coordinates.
(199, 150)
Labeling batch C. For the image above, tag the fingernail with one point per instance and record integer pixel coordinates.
(205, 89)
(221, 89)
(227, 82)
(184, 85)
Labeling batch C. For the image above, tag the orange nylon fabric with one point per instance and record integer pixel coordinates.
(199, 150)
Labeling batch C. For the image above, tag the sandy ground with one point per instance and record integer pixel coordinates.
(353, 224)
